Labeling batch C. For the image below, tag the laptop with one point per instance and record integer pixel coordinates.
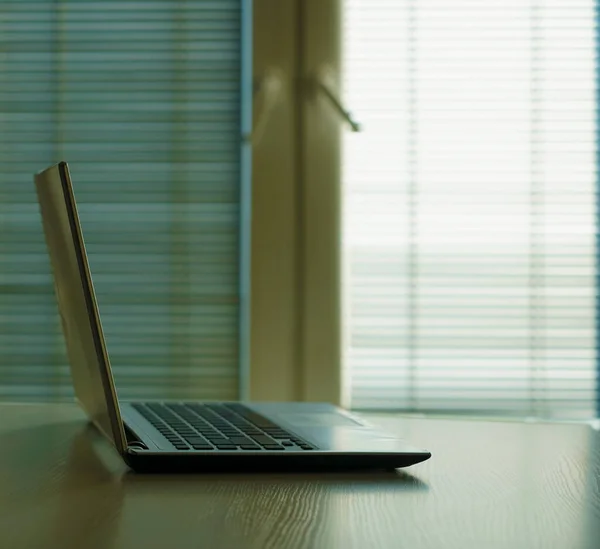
(173, 436)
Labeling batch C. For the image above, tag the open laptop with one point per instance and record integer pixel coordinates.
(191, 436)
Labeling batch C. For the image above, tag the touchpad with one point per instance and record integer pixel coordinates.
(317, 419)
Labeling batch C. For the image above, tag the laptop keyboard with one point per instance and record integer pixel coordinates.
(218, 427)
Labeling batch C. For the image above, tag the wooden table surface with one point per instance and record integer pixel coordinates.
(488, 485)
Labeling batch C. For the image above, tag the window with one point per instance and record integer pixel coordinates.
(469, 200)
(144, 100)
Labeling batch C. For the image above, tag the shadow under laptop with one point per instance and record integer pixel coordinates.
(364, 480)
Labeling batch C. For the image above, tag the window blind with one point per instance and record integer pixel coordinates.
(143, 99)
(469, 206)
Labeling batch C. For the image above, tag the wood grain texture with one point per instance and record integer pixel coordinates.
(488, 485)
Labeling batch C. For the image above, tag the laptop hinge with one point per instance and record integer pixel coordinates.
(132, 439)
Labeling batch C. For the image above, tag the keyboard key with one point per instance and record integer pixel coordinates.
(202, 447)
(218, 440)
(240, 440)
(272, 447)
(250, 447)
(287, 443)
(213, 435)
(226, 446)
(263, 439)
(196, 440)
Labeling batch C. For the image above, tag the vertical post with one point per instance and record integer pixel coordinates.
(245, 240)
(274, 268)
(319, 201)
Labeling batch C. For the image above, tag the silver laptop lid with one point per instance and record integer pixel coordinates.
(88, 358)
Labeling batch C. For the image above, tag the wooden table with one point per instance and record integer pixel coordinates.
(488, 485)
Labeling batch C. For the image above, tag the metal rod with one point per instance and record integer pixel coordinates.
(339, 108)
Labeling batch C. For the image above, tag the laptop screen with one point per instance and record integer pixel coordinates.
(90, 367)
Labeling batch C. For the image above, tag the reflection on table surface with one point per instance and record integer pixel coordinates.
(488, 485)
